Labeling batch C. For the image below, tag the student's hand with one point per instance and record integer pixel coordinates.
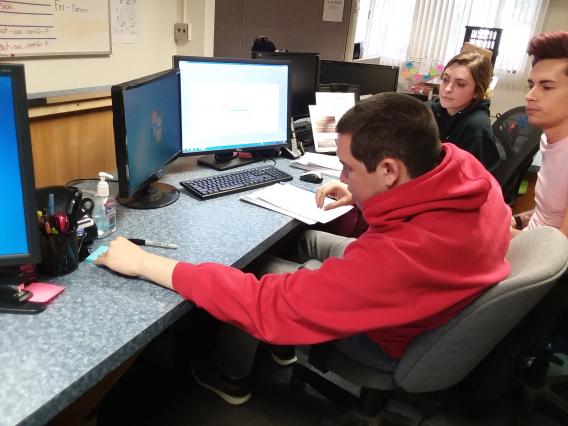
(513, 232)
(336, 190)
(129, 259)
(513, 222)
(123, 257)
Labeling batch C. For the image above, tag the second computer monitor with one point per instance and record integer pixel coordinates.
(305, 73)
(147, 135)
(230, 105)
(371, 78)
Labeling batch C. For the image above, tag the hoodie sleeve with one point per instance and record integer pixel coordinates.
(359, 292)
(311, 306)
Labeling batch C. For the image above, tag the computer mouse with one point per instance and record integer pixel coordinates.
(312, 176)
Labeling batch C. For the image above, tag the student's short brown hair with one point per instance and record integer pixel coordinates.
(551, 45)
(393, 125)
(480, 68)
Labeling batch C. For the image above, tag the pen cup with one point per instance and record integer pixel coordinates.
(59, 253)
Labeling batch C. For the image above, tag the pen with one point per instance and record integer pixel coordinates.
(141, 242)
(51, 204)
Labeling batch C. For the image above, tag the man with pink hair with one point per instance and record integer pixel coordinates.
(547, 108)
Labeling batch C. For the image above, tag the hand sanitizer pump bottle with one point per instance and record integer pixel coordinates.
(104, 211)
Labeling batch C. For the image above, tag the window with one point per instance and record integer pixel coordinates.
(433, 30)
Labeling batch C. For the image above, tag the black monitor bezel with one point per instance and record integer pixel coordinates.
(325, 62)
(120, 136)
(19, 95)
(175, 62)
(284, 55)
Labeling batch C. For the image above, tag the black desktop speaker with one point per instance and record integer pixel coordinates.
(303, 129)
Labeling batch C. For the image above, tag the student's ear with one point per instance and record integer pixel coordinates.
(390, 168)
(394, 172)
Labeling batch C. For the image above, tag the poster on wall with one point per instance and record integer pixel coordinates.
(124, 21)
(333, 10)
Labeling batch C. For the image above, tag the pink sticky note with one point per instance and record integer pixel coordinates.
(43, 292)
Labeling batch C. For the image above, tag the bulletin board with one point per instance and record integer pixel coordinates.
(54, 27)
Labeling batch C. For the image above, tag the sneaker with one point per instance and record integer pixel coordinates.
(282, 355)
(207, 375)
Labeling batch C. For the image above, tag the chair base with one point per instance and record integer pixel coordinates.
(302, 375)
(541, 393)
(368, 408)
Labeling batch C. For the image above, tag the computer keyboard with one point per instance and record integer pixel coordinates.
(240, 180)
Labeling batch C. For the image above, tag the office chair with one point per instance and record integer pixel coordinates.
(487, 38)
(517, 142)
(441, 358)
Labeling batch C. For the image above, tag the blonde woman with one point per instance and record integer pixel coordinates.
(462, 109)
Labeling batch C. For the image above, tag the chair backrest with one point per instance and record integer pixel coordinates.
(440, 358)
(487, 38)
(517, 142)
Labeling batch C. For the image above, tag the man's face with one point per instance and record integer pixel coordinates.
(547, 99)
(360, 182)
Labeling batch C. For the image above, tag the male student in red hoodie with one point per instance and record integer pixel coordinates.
(437, 238)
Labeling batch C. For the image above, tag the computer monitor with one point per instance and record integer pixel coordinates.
(147, 137)
(19, 234)
(371, 78)
(304, 68)
(230, 105)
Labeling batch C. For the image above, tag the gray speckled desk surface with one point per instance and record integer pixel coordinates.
(49, 360)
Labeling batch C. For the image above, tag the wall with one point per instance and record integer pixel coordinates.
(152, 53)
(72, 136)
(295, 25)
(201, 15)
(556, 20)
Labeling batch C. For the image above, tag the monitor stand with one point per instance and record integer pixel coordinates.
(13, 297)
(154, 196)
(227, 161)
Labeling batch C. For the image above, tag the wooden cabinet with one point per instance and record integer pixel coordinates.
(72, 137)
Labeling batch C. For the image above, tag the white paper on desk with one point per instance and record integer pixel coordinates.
(327, 164)
(295, 202)
(253, 200)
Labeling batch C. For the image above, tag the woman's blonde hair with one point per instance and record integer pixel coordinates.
(481, 71)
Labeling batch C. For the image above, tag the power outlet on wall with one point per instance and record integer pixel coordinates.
(181, 32)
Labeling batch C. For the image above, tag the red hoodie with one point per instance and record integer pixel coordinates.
(433, 245)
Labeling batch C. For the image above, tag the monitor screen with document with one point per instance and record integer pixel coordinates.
(230, 105)
(305, 72)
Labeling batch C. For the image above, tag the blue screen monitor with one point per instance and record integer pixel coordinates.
(19, 233)
(230, 105)
(147, 136)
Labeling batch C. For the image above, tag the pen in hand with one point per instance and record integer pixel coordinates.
(141, 242)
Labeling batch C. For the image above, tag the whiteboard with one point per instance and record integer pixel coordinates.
(54, 27)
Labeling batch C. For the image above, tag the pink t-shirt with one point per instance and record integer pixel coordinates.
(551, 191)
